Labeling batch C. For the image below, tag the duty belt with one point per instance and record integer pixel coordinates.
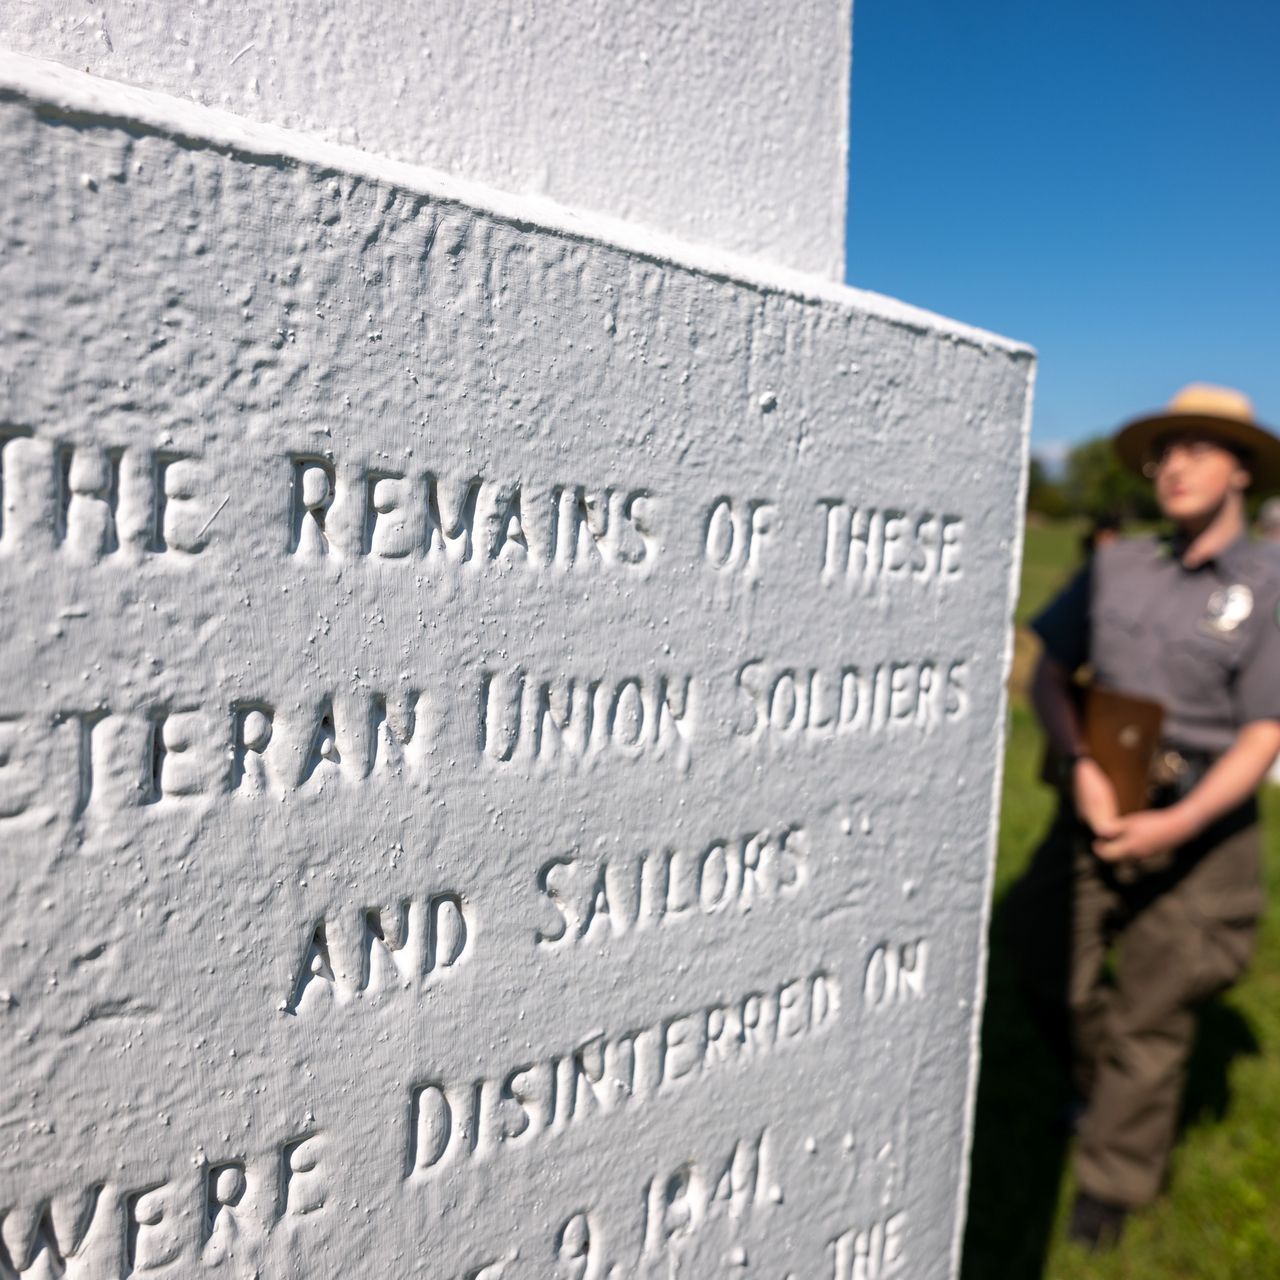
(1176, 770)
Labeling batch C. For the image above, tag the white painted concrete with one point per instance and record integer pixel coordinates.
(718, 121)
(459, 661)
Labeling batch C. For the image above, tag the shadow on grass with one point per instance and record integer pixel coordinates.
(1021, 1141)
(1224, 1034)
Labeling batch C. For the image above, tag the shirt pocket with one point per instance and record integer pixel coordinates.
(1115, 618)
(1202, 665)
(1119, 646)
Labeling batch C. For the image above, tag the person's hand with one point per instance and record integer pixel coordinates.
(1095, 797)
(1142, 835)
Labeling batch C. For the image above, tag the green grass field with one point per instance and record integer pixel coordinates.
(1220, 1218)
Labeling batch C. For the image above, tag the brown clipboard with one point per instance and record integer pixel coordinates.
(1123, 734)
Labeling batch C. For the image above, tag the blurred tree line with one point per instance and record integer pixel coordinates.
(1092, 484)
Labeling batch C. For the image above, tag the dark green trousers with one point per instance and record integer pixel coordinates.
(1174, 936)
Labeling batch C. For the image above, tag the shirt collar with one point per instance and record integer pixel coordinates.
(1231, 562)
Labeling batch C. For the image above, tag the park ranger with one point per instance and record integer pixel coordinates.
(1191, 622)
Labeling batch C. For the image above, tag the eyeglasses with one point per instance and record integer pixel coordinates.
(1193, 448)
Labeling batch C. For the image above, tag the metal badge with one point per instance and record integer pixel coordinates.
(1229, 607)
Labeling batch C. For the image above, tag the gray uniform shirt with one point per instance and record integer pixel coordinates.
(1203, 642)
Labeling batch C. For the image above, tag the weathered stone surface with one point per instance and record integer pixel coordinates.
(722, 121)
(498, 729)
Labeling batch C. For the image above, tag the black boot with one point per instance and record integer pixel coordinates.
(1096, 1224)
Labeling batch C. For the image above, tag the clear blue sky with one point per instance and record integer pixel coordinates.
(1101, 180)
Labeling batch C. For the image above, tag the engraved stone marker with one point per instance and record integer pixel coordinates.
(499, 729)
(722, 121)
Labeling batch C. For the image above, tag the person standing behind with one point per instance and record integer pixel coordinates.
(1269, 532)
(1269, 524)
(1192, 623)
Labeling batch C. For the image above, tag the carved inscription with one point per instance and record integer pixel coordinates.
(863, 545)
(146, 756)
(895, 973)
(736, 533)
(875, 1252)
(818, 703)
(380, 949)
(8, 434)
(595, 897)
(476, 691)
(678, 1204)
(163, 752)
(451, 1123)
(398, 515)
(19, 787)
(194, 1214)
(568, 718)
(682, 1201)
(92, 501)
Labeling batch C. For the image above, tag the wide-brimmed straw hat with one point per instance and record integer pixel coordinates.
(1221, 413)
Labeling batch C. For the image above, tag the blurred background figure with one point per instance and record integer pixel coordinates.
(1110, 244)
(1105, 529)
(1155, 851)
(1269, 533)
(1269, 523)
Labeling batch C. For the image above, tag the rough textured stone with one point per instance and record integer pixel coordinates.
(720, 121)
(357, 779)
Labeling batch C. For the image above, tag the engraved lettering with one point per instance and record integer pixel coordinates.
(122, 1231)
(301, 1180)
(174, 487)
(453, 521)
(865, 545)
(735, 533)
(88, 499)
(565, 719)
(574, 1256)
(603, 896)
(870, 1253)
(316, 967)
(18, 786)
(731, 1185)
(43, 1241)
(895, 973)
(152, 1228)
(635, 542)
(393, 948)
(84, 723)
(446, 931)
(225, 1187)
(589, 525)
(494, 1269)
(170, 770)
(144, 755)
(387, 533)
(8, 434)
(473, 1119)
(398, 732)
(312, 490)
(509, 537)
(451, 538)
(94, 500)
(821, 703)
(251, 733)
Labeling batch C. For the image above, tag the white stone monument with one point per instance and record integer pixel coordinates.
(500, 722)
(722, 122)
